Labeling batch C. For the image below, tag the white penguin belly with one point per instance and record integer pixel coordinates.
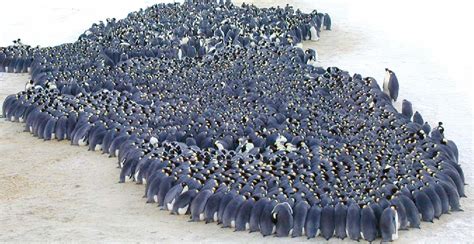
(314, 34)
(82, 142)
(136, 175)
(172, 204)
(182, 211)
(385, 83)
(395, 236)
(98, 147)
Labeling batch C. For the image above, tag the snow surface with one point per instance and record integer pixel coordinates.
(427, 43)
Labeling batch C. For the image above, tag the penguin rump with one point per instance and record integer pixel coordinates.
(226, 118)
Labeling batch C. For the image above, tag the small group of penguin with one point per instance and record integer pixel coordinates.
(223, 116)
(391, 88)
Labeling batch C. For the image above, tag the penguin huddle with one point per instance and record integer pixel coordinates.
(223, 117)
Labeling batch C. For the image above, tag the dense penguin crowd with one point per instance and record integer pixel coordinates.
(219, 111)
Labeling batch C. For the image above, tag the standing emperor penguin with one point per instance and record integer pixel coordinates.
(282, 216)
(390, 84)
(388, 224)
(314, 32)
(407, 109)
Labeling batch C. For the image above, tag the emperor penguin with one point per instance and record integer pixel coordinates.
(368, 224)
(407, 109)
(388, 224)
(282, 215)
(313, 221)
(390, 84)
(198, 205)
(299, 218)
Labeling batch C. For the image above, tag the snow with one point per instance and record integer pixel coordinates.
(427, 43)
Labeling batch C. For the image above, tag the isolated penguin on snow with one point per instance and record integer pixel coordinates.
(390, 84)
